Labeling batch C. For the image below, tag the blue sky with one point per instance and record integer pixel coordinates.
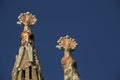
(94, 24)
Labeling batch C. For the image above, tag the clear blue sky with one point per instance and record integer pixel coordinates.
(95, 25)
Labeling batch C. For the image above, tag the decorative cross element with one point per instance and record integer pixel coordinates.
(26, 19)
(66, 43)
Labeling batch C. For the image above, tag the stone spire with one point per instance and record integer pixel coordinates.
(68, 63)
(27, 66)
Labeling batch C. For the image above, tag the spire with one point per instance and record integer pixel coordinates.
(27, 66)
(68, 63)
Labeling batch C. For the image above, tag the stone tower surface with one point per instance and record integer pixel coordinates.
(68, 63)
(27, 66)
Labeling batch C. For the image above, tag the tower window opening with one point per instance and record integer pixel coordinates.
(30, 72)
(23, 74)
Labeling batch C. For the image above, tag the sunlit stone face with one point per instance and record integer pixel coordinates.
(24, 36)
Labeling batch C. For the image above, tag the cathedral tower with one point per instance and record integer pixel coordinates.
(68, 63)
(27, 66)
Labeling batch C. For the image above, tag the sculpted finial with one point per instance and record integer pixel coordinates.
(26, 19)
(66, 43)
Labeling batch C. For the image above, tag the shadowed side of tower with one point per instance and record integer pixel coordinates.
(27, 65)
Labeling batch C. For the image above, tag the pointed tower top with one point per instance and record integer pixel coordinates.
(26, 19)
(66, 43)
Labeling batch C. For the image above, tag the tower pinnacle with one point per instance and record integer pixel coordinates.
(68, 63)
(27, 66)
(26, 19)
